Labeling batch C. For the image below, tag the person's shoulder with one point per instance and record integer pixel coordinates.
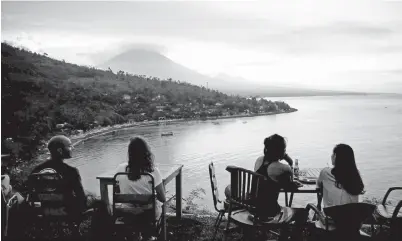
(70, 168)
(41, 166)
(326, 172)
(284, 167)
(258, 162)
(156, 171)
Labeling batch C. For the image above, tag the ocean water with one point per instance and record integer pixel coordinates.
(371, 124)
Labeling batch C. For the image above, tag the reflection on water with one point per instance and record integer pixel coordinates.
(370, 124)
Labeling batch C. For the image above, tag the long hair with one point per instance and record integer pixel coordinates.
(140, 159)
(274, 148)
(345, 170)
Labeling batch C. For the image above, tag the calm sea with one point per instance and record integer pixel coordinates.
(371, 124)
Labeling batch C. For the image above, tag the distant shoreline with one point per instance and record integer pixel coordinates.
(112, 129)
(78, 139)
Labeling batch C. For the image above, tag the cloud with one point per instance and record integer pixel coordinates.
(289, 42)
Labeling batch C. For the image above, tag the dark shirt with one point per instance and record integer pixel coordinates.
(71, 180)
(277, 176)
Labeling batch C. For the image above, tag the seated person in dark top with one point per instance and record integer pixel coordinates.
(278, 176)
(60, 148)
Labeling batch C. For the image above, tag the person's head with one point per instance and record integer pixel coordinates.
(345, 170)
(60, 147)
(274, 147)
(140, 158)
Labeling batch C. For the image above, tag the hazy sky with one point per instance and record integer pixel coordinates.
(352, 45)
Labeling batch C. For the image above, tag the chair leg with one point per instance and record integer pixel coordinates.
(217, 223)
(228, 222)
(217, 219)
(75, 230)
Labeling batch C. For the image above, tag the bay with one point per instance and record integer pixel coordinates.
(371, 124)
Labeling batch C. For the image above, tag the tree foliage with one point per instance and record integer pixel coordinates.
(39, 92)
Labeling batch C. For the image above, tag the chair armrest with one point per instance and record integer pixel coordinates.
(13, 200)
(320, 214)
(230, 168)
(384, 201)
(169, 199)
(164, 204)
(89, 211)
(396, 211)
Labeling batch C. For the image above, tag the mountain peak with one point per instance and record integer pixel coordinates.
(139, 55)
(143, 61)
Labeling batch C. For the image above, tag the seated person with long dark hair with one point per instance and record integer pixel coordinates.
(341, 184)
(140, 160)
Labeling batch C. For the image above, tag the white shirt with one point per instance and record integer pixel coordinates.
(140, 186)
(333, 195)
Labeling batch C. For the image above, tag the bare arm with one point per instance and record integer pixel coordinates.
(285, 178)
(319, 198)
(160, 192)
(319, 188)
(79, 191)
(287, 158)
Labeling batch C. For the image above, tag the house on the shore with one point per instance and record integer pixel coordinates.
(218, 104)
(126, 98)
(160, 107)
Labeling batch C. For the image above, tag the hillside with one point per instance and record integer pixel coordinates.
(151, 63)
(145, 62)
(40, 93)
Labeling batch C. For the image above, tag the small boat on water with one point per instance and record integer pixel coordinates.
(244, 122)
(215, 123)
(170, 133)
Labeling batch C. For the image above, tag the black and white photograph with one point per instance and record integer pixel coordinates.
(182, 120)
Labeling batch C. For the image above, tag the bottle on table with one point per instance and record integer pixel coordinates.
(117, 186)
(296, 169)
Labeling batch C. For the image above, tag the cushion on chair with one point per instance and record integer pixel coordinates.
(242, 217)
(386, 211)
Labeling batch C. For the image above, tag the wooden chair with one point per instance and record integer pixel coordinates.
(217, 202)
(386, 214)
(342, 222)
(49, 202)
(245, 185)
(5, 213)
(141, 216)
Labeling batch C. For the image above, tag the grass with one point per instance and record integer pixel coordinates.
(191, 227)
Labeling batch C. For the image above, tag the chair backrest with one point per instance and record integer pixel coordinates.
(137, 201)
(348, 218)
(46, 194)
(245, 185)
(214, 185)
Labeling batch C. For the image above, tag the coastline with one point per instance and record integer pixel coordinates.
(77, 139)
(19, 173)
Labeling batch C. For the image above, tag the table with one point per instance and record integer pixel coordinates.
(307, 188)
(168, 172)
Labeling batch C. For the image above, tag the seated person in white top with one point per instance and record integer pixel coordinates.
(341, 184)
(140, 160)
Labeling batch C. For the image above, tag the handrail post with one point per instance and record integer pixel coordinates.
(178, 194)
